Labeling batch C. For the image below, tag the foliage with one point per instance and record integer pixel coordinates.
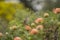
(7, 13)
(42, 26)
(17, 28)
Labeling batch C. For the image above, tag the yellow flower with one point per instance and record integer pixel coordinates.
(32, 24)
(13, 27)
(46, 14)
(9, 17)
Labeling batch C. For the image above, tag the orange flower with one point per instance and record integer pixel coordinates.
(56, 10)
(34, 31)
(27, 27)
(39, 20)
(46, 14)
(39, 27)
(17, 38)
(1, 34)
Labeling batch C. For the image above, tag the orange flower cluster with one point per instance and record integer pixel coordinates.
(39, 20)
(27, 27)
(56, 10)
(39, 27)
(1, 34)
(33, 31)
(17, 38)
